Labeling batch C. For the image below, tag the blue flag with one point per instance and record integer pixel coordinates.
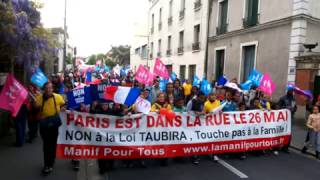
(247, 85)
(256, 77)
(196, 81)
(38, 78)
(206, 87)
(163, 84)
(88, 77)
(222, 81)
(78, 96)
(173, 76)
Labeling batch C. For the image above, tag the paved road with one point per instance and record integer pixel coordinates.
(293, 166)
(25, 163)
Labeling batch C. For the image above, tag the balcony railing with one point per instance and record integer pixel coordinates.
(160, 26)
(222, 29)
(180, 50)
(197, 5)
(170, 21)
(196, 46)
(169, 52)
(181, 14)
(250, 22)
(159, 54)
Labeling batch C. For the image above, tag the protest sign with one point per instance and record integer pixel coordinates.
(78, 96)
(142, 105)
(84, 135)
(38, 78)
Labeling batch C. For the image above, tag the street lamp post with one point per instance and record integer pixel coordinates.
(65, 36)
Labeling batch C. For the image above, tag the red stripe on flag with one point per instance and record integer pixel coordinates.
(109, 92)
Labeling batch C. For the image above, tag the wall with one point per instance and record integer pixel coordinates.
(272, 54)
(270, 10)
(314, 8)
(313, 35)
(187, 24)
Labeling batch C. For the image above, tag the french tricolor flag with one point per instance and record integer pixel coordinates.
(122, 95)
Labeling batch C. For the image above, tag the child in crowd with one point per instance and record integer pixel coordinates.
(179, 106)
(212, 103)
(314, 134)
(160, 103)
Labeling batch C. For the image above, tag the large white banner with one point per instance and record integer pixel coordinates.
(85, 135)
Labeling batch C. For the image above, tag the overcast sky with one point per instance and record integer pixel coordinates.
(95, 25)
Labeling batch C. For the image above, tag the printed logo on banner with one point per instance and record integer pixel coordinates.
(78, 96)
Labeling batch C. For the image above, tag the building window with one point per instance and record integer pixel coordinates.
(248, 60)
(181, 39)
(169, 46)
(223, 17)
(152, 23)
(137, 51)
(197, 5)
(144, 53)
(182, 9)
(160, 19)
(251, 13)
(196, 35)
(220, 55)
(192, 72)
(169, 68)
(151, 50)
(182, 72)
(159, 48)
(170, 13)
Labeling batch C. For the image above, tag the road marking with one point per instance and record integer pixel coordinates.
(233, 169)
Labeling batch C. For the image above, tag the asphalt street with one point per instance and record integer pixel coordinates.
(293, 166)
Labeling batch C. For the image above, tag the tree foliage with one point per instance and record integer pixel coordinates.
(23, 39)
(121, 54)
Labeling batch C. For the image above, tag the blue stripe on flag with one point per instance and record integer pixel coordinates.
(134, 93)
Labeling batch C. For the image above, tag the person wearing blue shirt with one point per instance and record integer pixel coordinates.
(230, 104)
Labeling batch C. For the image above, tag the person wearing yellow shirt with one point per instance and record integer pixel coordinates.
(160, 103)
(49, 105)
(212, 103)
(187, 88)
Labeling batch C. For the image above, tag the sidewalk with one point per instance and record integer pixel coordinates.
(299, 133)
(25, 163)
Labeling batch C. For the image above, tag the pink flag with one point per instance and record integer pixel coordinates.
(160, 69)
(144, 76)
(266, 85)
(98, 63)
(13, 95)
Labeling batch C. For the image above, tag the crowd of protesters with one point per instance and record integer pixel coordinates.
(179, 96)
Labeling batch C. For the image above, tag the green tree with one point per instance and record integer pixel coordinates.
(92, 60)
(121, 54)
